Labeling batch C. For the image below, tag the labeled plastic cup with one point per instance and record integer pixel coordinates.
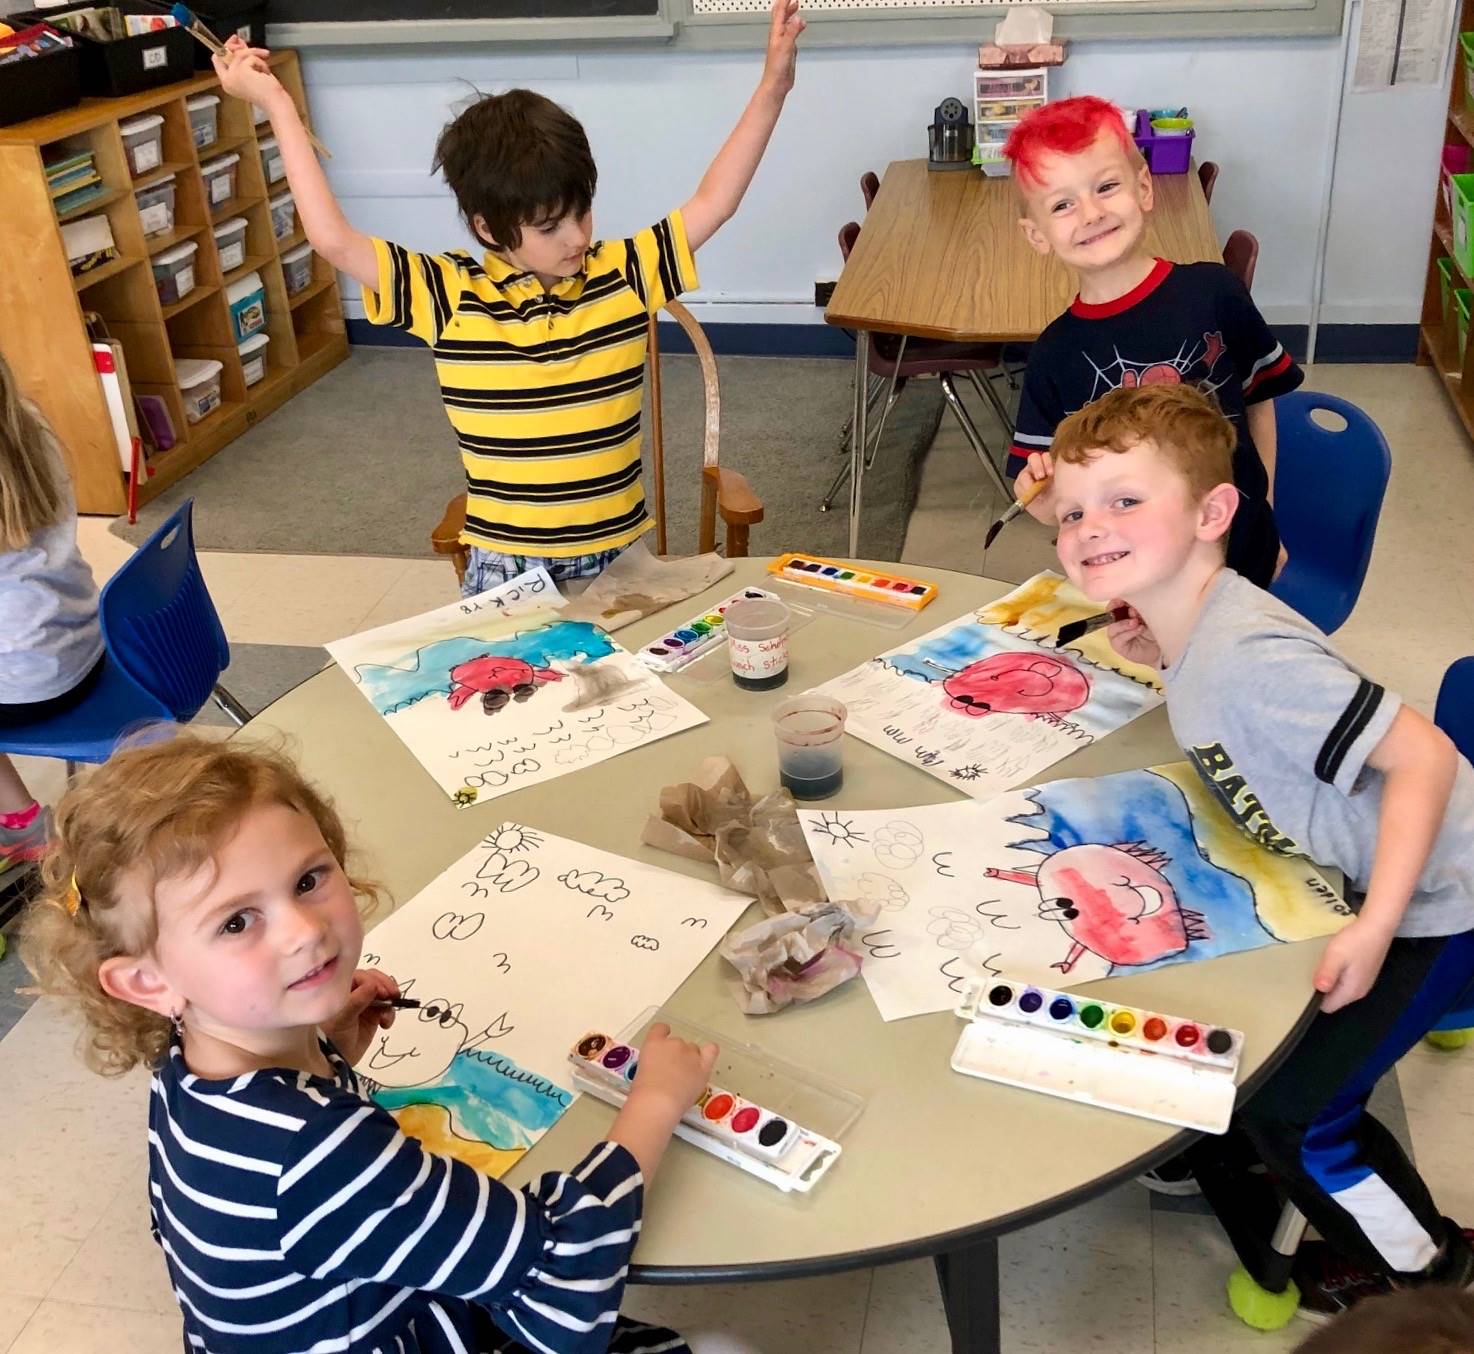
(810, 730)
(757, 642)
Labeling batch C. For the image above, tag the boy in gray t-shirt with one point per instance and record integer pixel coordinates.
(1311, 758)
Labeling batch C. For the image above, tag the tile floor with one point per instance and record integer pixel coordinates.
(80, 1273)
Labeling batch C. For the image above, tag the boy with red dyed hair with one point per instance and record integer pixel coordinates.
(1138, 320)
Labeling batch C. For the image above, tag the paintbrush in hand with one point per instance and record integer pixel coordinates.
(1016, 507)
(187, 20)
(1068, 634)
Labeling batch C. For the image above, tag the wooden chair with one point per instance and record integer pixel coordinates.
(1208, 176)
(723, 492)
(1241, 256)
(869, 186)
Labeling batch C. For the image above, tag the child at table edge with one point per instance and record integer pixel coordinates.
(1086, 194)
(540, 344)
(198, 907)
(1311, 758)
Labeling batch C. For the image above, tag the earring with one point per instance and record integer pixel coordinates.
(176, 1019)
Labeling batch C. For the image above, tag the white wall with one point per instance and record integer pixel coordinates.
(1263, 110)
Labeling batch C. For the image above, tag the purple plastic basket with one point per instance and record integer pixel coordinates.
(1163, 154)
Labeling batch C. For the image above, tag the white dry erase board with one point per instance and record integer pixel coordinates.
(698, 24)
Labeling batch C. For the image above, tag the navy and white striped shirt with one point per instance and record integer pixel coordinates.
(296, 1218)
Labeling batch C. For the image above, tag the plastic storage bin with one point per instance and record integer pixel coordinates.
(253, 357)
(1466, 45)
(156, 206)
(199, 383)
(271, 162)
(1168, 152)
(296, 267)
(247, 301)
(220, 178)
(174, 272)
(1462, 297)
(204, 119)
(1457, 159)
(283, 216)
(127, 65)
(259, 116)
(1446, 285)
(1463, 220)
(143, 142)
(230, 240)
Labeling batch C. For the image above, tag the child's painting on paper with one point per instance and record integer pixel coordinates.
(987, 701)
(1060, 885)
(490, 702)
(520, 947)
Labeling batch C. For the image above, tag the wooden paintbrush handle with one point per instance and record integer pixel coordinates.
(1033, 491)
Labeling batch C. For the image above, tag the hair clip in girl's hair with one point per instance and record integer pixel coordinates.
(73, 899)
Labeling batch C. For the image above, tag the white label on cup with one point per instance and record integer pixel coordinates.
(155, 220)
(758, 658)
(220, 188)
(145, 156)
(154, 57)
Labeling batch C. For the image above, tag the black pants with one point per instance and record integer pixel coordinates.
(1309, 1124)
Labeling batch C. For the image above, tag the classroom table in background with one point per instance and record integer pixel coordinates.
(941, 256)
(938, 1164)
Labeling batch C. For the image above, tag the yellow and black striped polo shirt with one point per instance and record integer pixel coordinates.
(542, 387)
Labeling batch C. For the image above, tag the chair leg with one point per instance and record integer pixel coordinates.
(985, 387)
(872, 395)
(970, 431)
(232, 707)
(870, 451)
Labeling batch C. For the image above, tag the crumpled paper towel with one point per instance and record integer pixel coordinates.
(639, 583)
(796, 956)
(758, 847)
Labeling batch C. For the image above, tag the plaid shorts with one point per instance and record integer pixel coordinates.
(488, 568)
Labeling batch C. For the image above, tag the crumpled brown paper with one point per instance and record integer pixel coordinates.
(758, 847)
(638, 584)
(796, 956)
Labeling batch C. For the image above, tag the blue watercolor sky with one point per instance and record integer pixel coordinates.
(953, 650)
(1138, 806)
(484, 1102)
(426, 671)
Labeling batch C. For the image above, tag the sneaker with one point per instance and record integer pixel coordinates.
(21, 844)
(1172, 1177)
(1331, 1284)
(1455, 1267)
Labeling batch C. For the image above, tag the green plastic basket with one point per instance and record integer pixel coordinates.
(1463, 220)
(1462, 297)
(1446, 284)
(1466, 41)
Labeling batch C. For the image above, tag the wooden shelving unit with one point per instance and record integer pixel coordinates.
(1438, 338)
(42, 334)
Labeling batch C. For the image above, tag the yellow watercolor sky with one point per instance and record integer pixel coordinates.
(1040, 606)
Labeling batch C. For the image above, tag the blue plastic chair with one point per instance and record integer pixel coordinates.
(1454, 714)
(163, 652)
(1328, 489)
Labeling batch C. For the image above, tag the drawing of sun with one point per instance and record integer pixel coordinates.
(973, 772)
(509, 837)
(839, 830)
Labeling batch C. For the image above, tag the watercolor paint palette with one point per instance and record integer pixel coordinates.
(698, 636)
(755, 1114)
(1068, 1044)
(836, 576)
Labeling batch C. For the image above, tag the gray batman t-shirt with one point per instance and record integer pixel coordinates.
(1280, 727)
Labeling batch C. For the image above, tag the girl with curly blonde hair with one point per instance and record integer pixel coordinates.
(198, 905)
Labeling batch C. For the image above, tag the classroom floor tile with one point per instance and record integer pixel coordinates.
(1116, 1276)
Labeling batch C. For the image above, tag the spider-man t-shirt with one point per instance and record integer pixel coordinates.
(1187, 322)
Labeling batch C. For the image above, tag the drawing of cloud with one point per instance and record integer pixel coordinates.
(596, 885)
(453, 926)
(644, 942)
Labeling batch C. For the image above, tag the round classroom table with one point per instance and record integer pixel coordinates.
(938, 1164)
